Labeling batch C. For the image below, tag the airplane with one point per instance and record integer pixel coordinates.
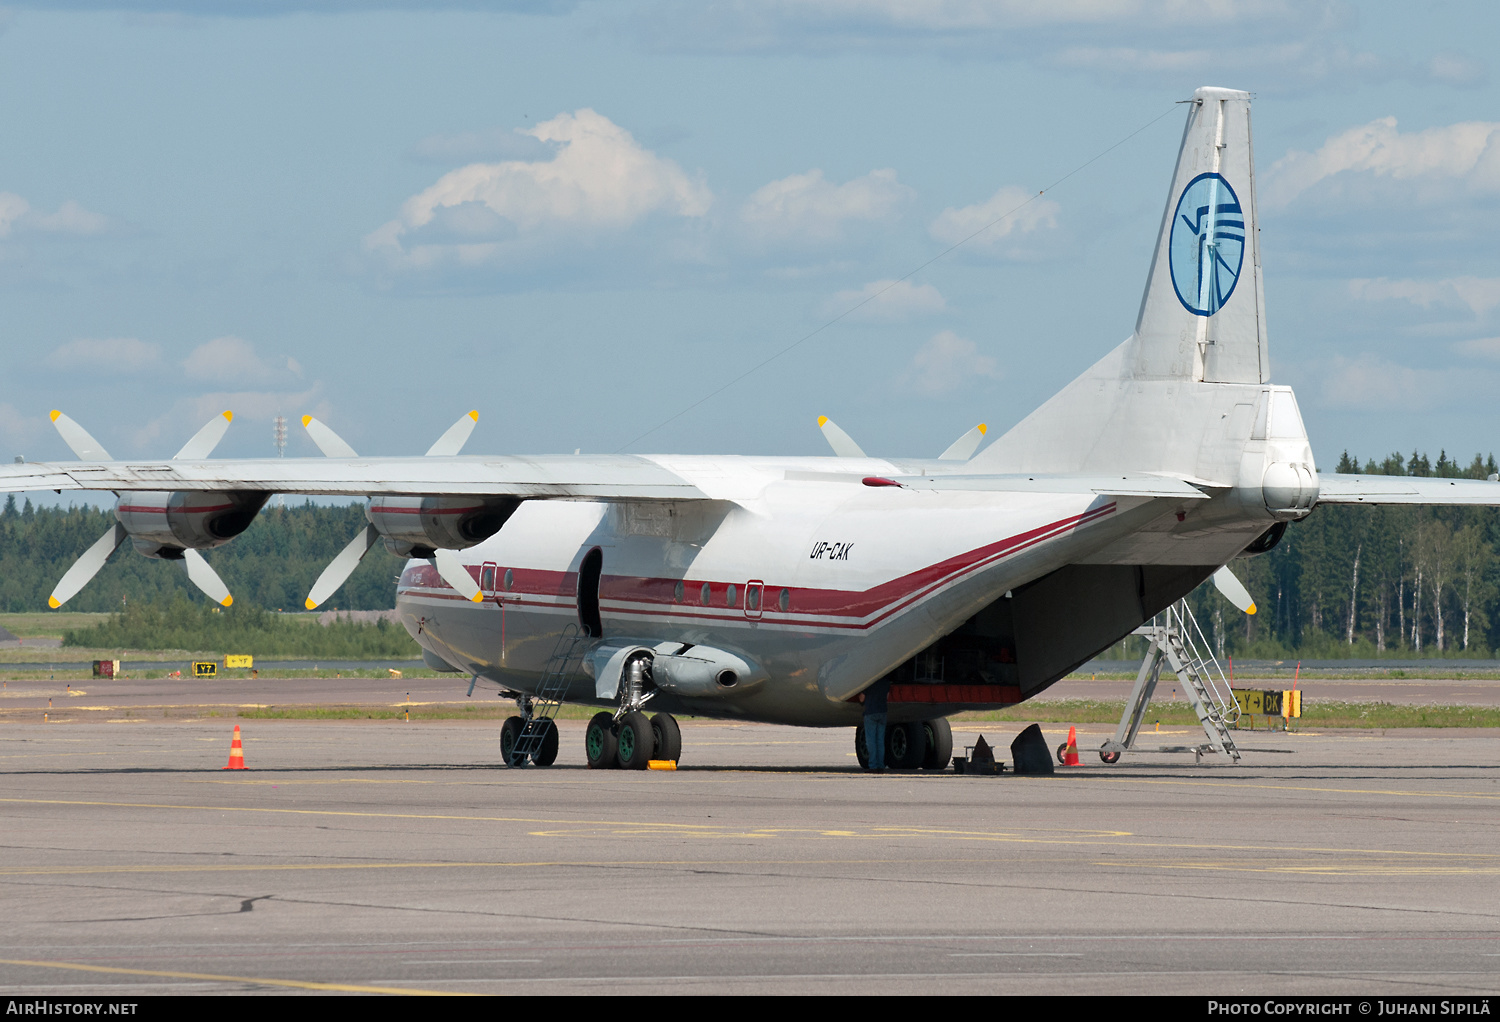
(784, 589)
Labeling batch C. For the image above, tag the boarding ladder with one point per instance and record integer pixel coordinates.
(539, 708)
(1177, 642)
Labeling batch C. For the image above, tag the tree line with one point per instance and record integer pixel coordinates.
(1373, 581)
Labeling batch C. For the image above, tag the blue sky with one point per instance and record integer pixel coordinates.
(582, 218)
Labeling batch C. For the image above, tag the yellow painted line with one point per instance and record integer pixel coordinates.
(1085, 838)
(1259, 786)
(348, 988)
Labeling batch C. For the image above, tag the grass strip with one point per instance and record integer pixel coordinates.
(1315, 713)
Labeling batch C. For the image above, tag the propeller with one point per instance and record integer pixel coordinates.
(451, 442)
(455, 574)
(79, 439)
(205, 440)
(843, 445)
(86, 567)
(205, 578)
(341, 567)
(330, 443)
(964, 447)
(1233, 590)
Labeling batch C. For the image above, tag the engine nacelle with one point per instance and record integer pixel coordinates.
(680, 668)
(165, 524)
(418, 526)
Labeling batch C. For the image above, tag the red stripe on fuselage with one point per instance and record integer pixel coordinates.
(643, 593)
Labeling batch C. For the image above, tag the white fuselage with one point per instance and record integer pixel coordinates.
(824, 582)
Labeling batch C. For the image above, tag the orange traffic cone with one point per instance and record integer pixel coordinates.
(237, 753)
(1070, 757)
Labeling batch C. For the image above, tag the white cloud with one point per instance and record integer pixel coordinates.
(234, 360)
(1370, 382)
(187, 414)
(945, 363)
(17, 216)
(807, 208)
(886, 300)
(1478, 294)
(1022, 212)
(599, 181)
(105, 355)
(1466, 154)
(1485, 347)
(19, 431)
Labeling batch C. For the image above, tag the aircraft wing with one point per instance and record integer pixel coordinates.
(1376, 489)
(603, 477)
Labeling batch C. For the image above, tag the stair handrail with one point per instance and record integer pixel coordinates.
(1204, 661)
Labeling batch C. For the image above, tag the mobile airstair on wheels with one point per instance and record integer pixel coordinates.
(1176, 642)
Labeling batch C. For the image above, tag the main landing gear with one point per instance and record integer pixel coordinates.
(918, 745)
(631, 741)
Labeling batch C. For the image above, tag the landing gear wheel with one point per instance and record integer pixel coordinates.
(905, 745)
(1062, 754)
(939, 734)
(546, 752)
(510, 737)
(635, 742)
(861, 751)
(1109, 757)
(667, 735)
(599, 742)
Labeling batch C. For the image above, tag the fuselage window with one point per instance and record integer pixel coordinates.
(752, 597)
(487, 580)
(510, 579)
(706, 594)
(786, 599)
(677, 593)
(730, 595)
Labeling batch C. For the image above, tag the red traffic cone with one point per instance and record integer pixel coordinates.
(1070, 755)
(237, 753)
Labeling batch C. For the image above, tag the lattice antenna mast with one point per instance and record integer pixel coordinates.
(279, 434)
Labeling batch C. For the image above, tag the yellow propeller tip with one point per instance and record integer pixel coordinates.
(53, 602)
(55, 414)
(309, 604)
(822, 420)
(1251, 610)
(477, 597)
(474, 415)
(228, 415)
(306, 419)
(226, 601)
(983, 429)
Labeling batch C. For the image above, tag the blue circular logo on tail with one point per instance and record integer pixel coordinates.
(1208, 244)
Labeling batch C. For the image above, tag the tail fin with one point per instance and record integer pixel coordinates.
(1201, 321)
(1203, 314)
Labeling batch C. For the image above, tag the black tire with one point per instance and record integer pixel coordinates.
(635, 743)
(1109, 757)
(1062, 754)
(668, 737)
(861, 751)
(510, 737)
(599, 742)
(905, 745)
(939, 734)
(546, 752)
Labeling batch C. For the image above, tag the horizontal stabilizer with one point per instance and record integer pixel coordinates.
(1138, 485)
(1373, 489)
